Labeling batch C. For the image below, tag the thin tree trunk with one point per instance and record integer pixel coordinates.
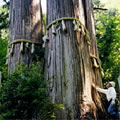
(25, 25)
(69, 67)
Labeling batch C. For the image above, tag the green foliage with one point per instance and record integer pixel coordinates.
(44, 19)
(4, 17)
(108, 36)
(3, 51)
(3, 35)
(23, 95)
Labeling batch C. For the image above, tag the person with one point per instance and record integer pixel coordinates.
(110, 93)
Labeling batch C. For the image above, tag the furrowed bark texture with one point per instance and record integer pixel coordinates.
(69, 68)
(26, 24)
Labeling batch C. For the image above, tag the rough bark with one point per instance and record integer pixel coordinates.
(69, 67)
(26, 24)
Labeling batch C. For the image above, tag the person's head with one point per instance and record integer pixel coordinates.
(110, 84)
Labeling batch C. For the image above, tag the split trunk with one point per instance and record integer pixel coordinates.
(25, 32)
(71, 68)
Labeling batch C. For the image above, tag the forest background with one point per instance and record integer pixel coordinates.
(107, 23)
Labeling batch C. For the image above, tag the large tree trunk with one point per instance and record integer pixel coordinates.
(25, 26)
(69, 67)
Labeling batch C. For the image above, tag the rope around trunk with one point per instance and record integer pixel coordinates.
(77, 25)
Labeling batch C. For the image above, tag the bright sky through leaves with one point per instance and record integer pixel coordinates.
(111, 3)
(43, 5)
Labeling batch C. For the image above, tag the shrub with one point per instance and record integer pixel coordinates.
(23, 95)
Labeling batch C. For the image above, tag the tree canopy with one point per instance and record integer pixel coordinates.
(108, 37)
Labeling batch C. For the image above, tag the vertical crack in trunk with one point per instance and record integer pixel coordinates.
(70, 71)
(25, 24)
